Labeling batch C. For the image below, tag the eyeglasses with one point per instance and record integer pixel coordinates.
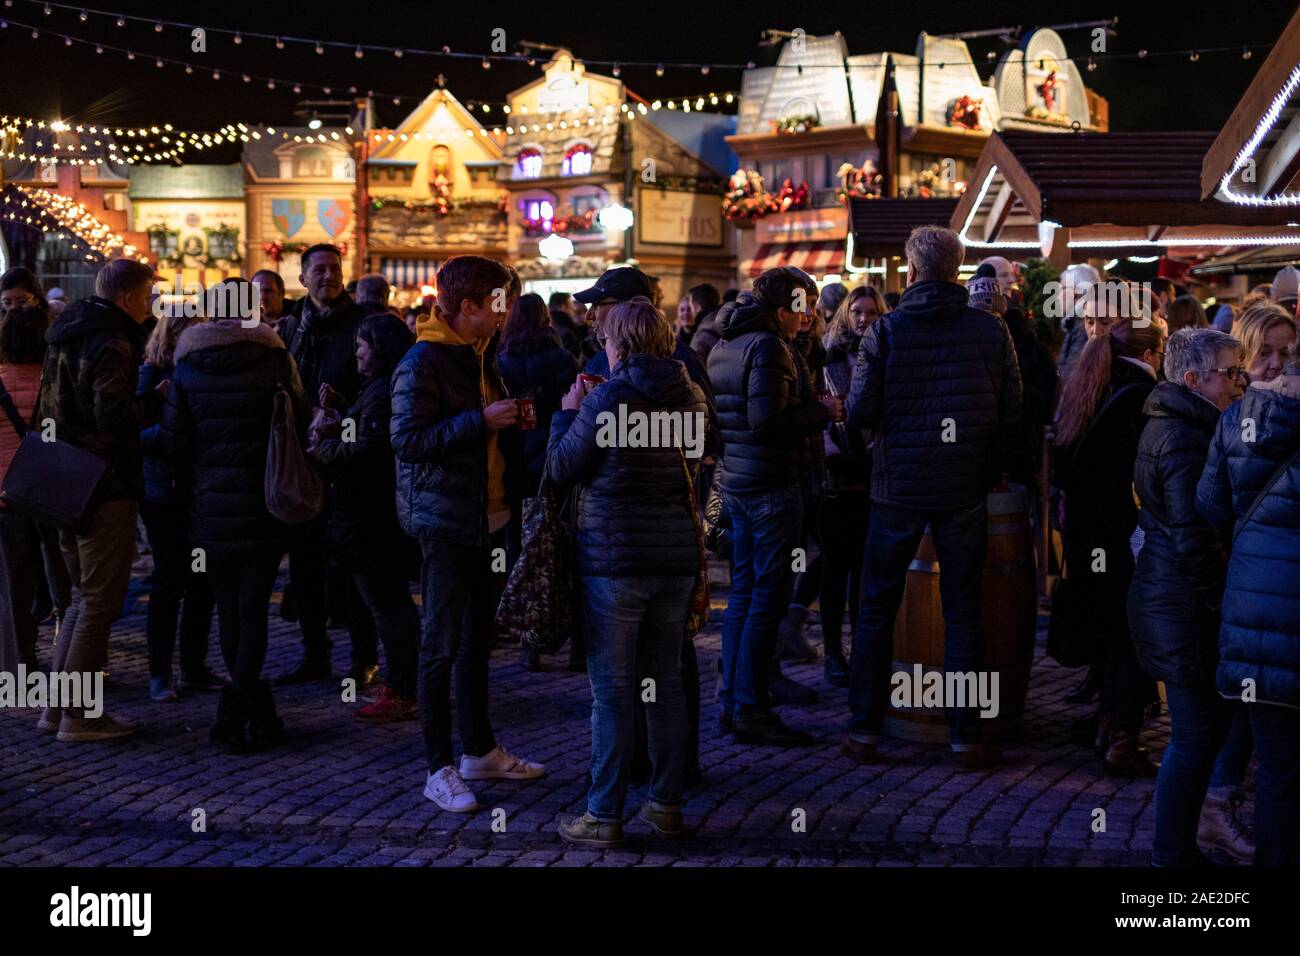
(1234, 372)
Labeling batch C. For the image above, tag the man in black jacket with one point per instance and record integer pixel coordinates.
(88, 397)
(939, 385)
(321, 335)
(571, 331)
(457, 468)
(765, 429)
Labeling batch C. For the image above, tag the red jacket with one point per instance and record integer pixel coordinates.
(23, 382)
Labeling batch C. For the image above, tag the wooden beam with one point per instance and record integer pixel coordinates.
(1272, 75)
(1280, 162)
(997, 217)
(1155, 232)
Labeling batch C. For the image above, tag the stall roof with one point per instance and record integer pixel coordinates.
(1111, 190)
(1264, 127)
(881, 226)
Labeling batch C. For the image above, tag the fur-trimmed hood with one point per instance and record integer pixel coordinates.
(208, 335)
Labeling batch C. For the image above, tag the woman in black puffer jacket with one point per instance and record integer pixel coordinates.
(846, 505)
(215, 428)
(1252, 482)
(638, 557)
(363, 534)
(535, 364)
(1177, 591)
(1098, 426)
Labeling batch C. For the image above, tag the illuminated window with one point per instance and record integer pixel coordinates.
(530, 163)
(577, 161)
(311, 162)
(538, 215)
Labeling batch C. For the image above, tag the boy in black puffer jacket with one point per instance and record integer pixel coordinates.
(766, 424)
(452, 437)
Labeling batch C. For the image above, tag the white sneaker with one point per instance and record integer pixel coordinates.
(447, 789)
(499, 764)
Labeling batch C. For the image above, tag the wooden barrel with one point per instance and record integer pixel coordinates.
(1010, 612)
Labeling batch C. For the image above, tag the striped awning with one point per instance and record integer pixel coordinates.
(815, 258)
(409, 273)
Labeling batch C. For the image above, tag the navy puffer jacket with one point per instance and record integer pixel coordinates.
(216, 426)
(634, 516)
(933, 363)
(765, 421)
(1260, 636)
(1173, 602)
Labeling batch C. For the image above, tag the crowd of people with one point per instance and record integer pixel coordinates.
(839, 424)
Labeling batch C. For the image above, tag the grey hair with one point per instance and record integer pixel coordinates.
(935, 253)
(1195, 349)
(373, 287)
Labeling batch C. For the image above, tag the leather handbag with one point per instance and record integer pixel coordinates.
(292, 486)
(54, 482)
(539, 606)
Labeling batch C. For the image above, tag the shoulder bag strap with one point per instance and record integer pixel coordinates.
(1263, 492)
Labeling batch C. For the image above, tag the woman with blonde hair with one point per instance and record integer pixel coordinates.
(1267, 333)
(1099, 422)
(846, 504)
(165, 512)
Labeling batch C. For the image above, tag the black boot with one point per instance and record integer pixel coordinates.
(835, 666)
(265, 728)
(228, 731)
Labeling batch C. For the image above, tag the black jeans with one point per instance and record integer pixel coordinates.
(174, 581)
(960, 539)
(460, 596)
(307, 576)
(387, 597)
(19, 556)
(809, 586)
(242, 588)
(844, 518)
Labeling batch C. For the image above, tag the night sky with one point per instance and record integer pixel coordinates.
(45, 78)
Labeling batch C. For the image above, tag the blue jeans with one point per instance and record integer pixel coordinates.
(634, 629)
(1277, 792)
(1198, 725)
(960, 540)
(764, 533)
(1230, 769)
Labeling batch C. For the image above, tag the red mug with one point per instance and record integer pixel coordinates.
(527, 413)
(589, 382)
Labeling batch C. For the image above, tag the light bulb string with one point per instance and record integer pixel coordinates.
(530, 60)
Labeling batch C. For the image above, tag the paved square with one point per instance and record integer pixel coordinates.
(339, 792)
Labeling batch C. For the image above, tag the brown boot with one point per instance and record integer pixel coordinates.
(866, 754)
(1220, 829)
(1124, 758)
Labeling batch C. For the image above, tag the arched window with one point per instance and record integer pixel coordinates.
(577, 160)
(529, 163)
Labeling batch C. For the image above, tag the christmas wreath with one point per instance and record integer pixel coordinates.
(862, 182)
(965, 112)
(278, 250)
(791, 125)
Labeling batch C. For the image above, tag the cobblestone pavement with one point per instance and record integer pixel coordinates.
(338, 792)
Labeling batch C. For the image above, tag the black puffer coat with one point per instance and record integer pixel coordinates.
(440, 439)
(1039, 380)
(363, 533)
(216, 427)
(765, 422)
(931, 363)
(706, 334)
(1177, 589)
(324, 345)
(1260, 637)
(634, 516)
(88, 388)
(541, 369)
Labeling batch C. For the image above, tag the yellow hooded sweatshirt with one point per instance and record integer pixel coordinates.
(432, 328)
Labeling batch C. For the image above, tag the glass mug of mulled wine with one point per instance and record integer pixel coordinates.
(834, 403)
(527, 413)
(589, 382)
